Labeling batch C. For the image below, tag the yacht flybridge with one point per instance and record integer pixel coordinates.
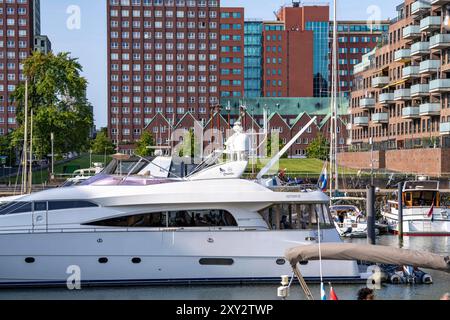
(209, 226)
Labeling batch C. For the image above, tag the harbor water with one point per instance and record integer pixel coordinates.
(441, 284)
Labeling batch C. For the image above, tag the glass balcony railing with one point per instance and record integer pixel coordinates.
(410, 113)
(380, 117)
(439, 2)
(402, 55)
(419, 7)
(420, 90)
(444, 128)
(411, 72)
(440, 41)
(430, 23)
(420, 48)
(440, 85)
(430, 109)
(380, 82)
(402, 94)
(386, 98)
(411, 32)
(367, 103)
(429, 66)
(361, 121)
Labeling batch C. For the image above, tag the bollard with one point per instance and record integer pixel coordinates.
(400, 210)
(371, 215)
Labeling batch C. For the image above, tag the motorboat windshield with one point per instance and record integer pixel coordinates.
(115, 180)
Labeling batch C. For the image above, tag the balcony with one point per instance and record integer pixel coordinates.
(361, 121)
(440, 85)
(439, 2)
(420, 90)
(444, 128)
(410, 113)
(411, 72)
(380, 82)
(367, 103)
(430, 23)
(429, 66)
(386, 98)
(380, 118)
(420, 7)
(402, 94)
(402, 55)
(440, 41)
(420, 48)
(430, 109)
(411, 32)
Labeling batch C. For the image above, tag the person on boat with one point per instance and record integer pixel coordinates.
(285, 223)
(366, 294)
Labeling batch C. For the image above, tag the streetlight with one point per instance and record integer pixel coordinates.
(447, 18)
(52, 138)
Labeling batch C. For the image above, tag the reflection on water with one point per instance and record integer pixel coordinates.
(440, 245)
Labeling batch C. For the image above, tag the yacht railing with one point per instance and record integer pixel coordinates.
(295, 188)
(166, 230)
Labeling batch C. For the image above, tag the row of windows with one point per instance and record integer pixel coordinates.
(167, 3)
(160, 100)
(23, 207)
(173, 219)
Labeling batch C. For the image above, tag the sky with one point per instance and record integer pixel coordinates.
(79, 27)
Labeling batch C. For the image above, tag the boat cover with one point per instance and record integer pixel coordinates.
(369, 253)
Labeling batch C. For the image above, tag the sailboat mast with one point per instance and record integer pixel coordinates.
(30, 175)
(335, 95)
(25, 143)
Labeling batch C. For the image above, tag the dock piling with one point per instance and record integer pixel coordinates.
(400, 210)
(371, 215)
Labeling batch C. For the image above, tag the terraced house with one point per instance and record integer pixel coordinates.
(401, 95)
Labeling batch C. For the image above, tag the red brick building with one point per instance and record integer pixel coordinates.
(20, 25)
(162, 59)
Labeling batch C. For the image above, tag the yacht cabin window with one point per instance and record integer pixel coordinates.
(172, 219)
(297, 217)
(26, 207)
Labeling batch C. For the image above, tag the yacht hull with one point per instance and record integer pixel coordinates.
(156, 257)
(419, 224)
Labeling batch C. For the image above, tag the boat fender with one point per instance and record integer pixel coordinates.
(395, 279)
(427, 279)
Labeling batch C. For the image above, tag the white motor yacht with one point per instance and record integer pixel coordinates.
(423, 212)
(209, 226)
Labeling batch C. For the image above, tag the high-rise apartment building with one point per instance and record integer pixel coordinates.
(163, 58)
(355, 39)
(20, 24)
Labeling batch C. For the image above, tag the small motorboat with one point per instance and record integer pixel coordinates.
(349, 221)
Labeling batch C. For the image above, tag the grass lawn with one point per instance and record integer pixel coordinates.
(40, 177)
(306, 167)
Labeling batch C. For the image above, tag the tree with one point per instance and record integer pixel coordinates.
(280, 146)
(145, 141)
(102, 144)
(319, 148)
(57, 98)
